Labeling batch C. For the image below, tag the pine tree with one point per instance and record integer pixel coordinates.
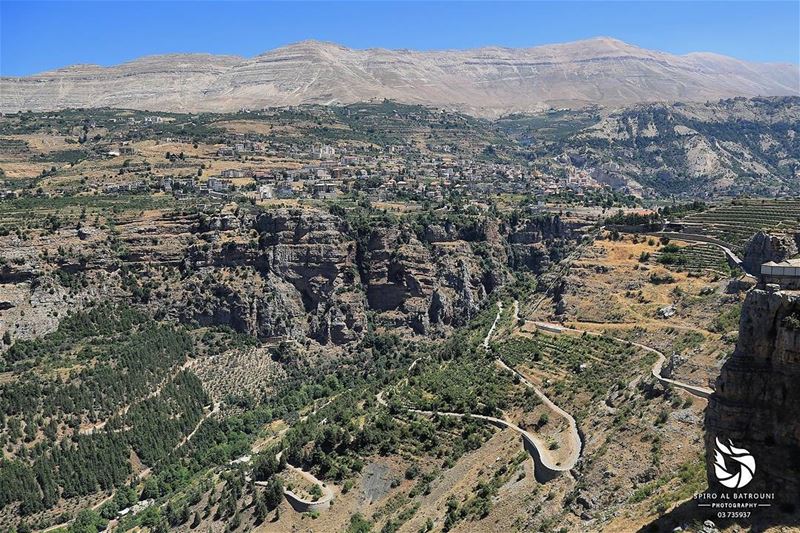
(236, 521)
(273, 494)
(261, 508)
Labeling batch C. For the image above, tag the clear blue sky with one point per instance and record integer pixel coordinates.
(37, 36)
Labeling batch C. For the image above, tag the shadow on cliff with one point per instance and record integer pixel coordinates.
(689, 517)
(685, 515)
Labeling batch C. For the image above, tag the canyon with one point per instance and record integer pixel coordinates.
(284, 273)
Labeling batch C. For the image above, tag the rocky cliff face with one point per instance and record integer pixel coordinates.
(284, 273)
(757, 400)
(488, 80)
(698, 148)
(298, 273)
(528, 248)
(437, 284)
(765, 247)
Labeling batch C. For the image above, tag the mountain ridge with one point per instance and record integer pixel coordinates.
(483, 81)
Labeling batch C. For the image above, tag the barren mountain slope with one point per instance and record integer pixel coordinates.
(484, 81)
(739, 146)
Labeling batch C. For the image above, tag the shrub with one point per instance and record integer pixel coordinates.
(792, 321)
(659, 279)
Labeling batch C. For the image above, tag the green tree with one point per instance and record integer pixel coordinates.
(359, 524)
(273, 494)
(150, 490)
(260, 508)
(87, 521)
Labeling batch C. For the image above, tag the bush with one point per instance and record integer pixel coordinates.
(412, 471)
(659, 279)
(792, 321)
(359, 524)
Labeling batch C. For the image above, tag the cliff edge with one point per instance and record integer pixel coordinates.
(756, 403)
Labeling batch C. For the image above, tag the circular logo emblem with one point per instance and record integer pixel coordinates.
(740, 476)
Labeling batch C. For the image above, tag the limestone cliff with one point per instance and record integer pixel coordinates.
(757, 399)
(297, 273)
(764, 247)
(489, 81)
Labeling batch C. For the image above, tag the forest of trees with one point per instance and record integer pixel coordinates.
(124, 357)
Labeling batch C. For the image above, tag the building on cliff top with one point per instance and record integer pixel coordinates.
(786, 273)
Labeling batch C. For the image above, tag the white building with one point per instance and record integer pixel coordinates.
(326, 151)
(219, 185)
(266, 192)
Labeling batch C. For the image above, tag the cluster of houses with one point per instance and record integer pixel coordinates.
(266, 168)
(394, 171)
(384, 174)
(386, 179)
(129, 187)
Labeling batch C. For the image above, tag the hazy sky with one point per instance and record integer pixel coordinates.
(37, 36)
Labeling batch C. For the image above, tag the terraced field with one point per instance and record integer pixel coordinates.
(575, 369)
(464, 385)
(696, 258)
(735, 223)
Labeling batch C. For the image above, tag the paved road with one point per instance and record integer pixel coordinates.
(294, 499)
(546, 465)
(725, 247)
(700, 392)
(494, 325)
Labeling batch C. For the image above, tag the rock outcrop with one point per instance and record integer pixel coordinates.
(764, 247)
(689, 147)
(528, 243)
(437, 281)
(756, 400)
(296, 273)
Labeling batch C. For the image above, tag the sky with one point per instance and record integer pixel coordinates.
(36, 36)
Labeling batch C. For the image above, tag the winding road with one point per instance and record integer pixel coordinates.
(546, 465)
(692, 237)
(700, 392)
(298, 503)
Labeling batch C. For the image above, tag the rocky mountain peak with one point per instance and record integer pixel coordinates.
(483, 81)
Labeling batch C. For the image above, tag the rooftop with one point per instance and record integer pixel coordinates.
(787, 268)
(787, 263)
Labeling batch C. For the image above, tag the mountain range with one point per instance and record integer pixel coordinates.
(485, 81)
